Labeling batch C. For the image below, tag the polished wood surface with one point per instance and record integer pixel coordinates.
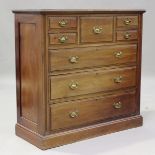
(55, 22)
(29, 68)
(91, 82)
(88, 111)
(88, 24)
(127, 21)
(92, 56)
(29, 71)
(127, 35)
(67, 137)
(70, 38)
(78, 74)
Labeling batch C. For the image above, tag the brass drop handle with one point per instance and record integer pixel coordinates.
(63, 23)
(73, 59)
(73, 85)
(118, 79)
(127, 21)
(97, 29)
(117, 105)
(118, 54)
(127, 36)
(74, 114)
(63, 39)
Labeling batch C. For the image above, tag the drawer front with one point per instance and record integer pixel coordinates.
(91, 57)
(127, 21)
(96, 29)
(75, 113)
(91, 82)
(62, 38)
(62, 22)
(127, 35)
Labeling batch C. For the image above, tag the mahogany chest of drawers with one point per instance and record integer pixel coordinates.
(78, 74)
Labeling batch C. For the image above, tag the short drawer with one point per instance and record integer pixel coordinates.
(71, 114)
(96, 29)
(127, 21)
(91, 82)
(62, 38)
(62, 22)
(127, 35)
(91, 57)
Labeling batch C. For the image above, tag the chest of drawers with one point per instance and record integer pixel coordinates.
(78, 74)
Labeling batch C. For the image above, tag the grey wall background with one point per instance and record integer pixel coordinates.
(7, 60)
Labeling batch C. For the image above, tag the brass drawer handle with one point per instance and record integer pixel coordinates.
(97, 29)
(63, 39)
(118, 54)
(73, 59)
(127, 21)
(127, 36)
(118, 79)
(74, 114)
(73, 85)
(63, 23)
(117, 105)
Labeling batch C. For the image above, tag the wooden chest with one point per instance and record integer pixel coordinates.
(78, 74)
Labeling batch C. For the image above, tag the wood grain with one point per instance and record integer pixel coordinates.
(133, 21)
(55, 38)
(91, 110)
(66, 137)
(29, 68)
(29, 71)
(50, 88)
(91, 57)
(87, 25)
(133, 35)
(91, 82)
(54, 22)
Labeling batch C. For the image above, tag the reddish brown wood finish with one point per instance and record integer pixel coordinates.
(91, 110)
(127, 21)
(54, 22)
(88, 24)
(45, 73)
(29, 68)
(66, 137)
(92, 56)
(30, 71)
(91, 82)
(55, 39)
(132, 35)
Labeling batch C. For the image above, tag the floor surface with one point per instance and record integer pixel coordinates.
(138, 141)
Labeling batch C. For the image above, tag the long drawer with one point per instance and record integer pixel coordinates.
(91, 57)
(75, 113)
(91, 82)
